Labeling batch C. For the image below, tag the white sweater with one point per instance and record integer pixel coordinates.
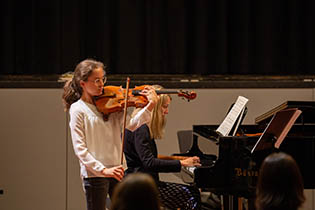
(97, 143)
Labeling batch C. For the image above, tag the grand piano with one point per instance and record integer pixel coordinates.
(235, 170)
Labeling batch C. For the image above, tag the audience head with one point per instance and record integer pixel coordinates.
(280, 184)
(137, 191)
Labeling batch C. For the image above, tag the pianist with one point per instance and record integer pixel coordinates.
(141, 155)
(280, 184)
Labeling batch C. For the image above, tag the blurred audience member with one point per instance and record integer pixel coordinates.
(280, 184)
(137, 191)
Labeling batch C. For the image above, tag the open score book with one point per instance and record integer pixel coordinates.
(235, 113)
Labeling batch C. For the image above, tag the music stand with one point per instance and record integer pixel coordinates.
(277, 129)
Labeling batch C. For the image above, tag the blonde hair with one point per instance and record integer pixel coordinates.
(158, 122)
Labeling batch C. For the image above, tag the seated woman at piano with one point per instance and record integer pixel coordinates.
(142, 156)
(280, 184)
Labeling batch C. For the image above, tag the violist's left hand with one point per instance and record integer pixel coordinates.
(151, 95)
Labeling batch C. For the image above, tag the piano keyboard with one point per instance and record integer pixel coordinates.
(190, 169)
(188, 173)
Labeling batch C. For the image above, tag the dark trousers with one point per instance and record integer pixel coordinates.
(96, 190)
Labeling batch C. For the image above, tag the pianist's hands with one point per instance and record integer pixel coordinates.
(191, 161)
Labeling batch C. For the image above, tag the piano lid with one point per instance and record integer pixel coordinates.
(307, 108)
(207, 131)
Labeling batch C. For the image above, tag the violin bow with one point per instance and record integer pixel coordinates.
(124, 125)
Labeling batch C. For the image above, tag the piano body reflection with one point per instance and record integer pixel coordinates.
(235, 170)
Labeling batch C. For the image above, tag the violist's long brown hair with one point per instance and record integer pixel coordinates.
(72, 89)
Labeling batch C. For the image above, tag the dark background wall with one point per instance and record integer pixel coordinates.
(206, 37)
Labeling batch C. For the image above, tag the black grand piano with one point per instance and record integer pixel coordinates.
(235, 170)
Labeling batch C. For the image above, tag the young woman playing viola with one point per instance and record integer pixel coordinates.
(141, 155)
(97, 143)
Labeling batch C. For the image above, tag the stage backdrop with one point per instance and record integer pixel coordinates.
(204, 37)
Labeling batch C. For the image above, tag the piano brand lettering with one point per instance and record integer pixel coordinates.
(245, 172)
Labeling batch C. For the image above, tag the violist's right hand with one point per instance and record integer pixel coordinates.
(116, 172)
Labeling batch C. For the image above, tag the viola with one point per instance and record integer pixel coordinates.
(113, 98)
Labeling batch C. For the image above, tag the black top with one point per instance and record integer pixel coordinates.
(141, 154)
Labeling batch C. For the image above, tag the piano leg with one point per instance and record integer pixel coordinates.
(222, 202)
(230, 202)
(240, 203)
(227, 202)
(243, 204)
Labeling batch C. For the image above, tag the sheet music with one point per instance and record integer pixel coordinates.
(227, 124)
(238, 122)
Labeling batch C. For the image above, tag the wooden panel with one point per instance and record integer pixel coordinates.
(32, 149)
